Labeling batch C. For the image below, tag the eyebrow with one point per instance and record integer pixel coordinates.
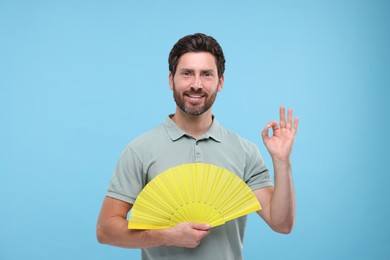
(203, 71)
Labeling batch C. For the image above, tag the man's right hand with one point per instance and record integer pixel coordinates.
(187, 234)
(112, 229)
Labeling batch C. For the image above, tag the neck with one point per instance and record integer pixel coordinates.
(196, 126)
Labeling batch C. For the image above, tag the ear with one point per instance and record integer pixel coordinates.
(220, 83)
(170, 80)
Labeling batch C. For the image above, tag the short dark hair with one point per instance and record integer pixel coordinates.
(197, 42)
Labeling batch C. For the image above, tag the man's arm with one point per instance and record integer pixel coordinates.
(279, 203)
(112, 229)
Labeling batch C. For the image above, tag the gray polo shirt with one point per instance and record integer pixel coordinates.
(167, 146)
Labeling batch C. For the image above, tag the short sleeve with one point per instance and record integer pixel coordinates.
(256, 172)
(127, 179)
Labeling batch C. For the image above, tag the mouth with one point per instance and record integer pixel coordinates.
(194, 99)
(195, 96)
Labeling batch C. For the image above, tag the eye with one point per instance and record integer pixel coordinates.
(208, 74)
(185, 73)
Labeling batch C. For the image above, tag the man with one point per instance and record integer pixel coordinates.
(193, 134)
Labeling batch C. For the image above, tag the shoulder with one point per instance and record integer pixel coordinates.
(144, 144)
(235, 139)
(149, 135)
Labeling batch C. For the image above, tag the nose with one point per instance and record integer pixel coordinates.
(196, 83)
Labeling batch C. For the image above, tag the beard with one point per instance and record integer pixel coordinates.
(190, 109)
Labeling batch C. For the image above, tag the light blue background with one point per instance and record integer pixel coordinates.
(80, 79)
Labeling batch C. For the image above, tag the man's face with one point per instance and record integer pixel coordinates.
(195, 83)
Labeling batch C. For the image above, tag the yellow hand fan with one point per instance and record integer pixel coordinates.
(196, 192)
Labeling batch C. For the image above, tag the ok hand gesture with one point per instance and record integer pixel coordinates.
(279, 145)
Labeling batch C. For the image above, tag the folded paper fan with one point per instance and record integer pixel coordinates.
(197, 192)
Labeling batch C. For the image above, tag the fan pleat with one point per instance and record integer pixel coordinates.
(198, 192)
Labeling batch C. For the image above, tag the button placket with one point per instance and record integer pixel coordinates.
(197, 153)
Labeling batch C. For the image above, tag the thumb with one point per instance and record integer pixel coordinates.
(200, 226)
(264, 133)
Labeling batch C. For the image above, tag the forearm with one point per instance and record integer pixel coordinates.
(282, 211)
(116, 233)
(112, 229)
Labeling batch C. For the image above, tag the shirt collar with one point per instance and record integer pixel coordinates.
(175, 132)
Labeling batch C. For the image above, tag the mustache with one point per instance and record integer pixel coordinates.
(195, 92)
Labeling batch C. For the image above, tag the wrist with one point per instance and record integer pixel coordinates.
(281, 164)
(156, 237)
(280, 160)
(164, 237)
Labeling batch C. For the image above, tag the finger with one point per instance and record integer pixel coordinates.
(200, 226)
(274, 125)
(295, 127)
(282, 117)
(289, 118)
(264, 134)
